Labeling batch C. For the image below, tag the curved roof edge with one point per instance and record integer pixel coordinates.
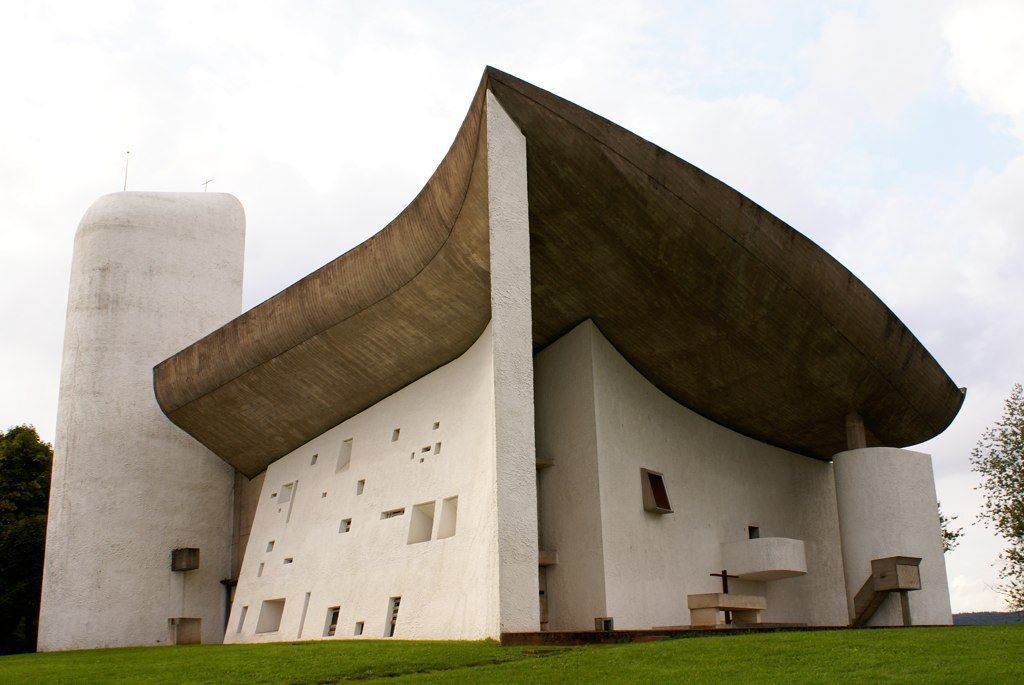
(721, 305)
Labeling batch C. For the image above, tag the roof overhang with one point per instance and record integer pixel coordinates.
(721, 305)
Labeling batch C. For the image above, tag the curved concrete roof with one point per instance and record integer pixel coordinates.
(721, 305)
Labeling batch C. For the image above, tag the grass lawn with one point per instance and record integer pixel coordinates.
(975, 654)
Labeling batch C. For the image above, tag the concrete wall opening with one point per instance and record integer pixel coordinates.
(259, 571)
(270, 546)
(449, 517)
(360, 486)
(331, 626)
(346, 526)
(392, 513)
(302, 617)
(241, 618)
(655, 495)
(395, 433)
(286, 493)
(392, 618)
(271, 612)
(753, 532)
(344, 456)
(359, 628)
(421, 524)
(312, 462)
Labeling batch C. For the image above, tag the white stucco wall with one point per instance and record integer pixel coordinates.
(888, 507)
(719, 482)
(569, 493)
(448, 586)
(151, 273)
(515, 484)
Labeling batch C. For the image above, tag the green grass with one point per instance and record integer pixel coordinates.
(983, 654)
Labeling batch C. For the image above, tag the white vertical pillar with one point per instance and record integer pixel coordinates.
(511, 320)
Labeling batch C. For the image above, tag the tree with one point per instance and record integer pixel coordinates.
(950, 535)
(999, 459)
(25, 462)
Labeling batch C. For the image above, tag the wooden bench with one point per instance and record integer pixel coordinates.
(705, 608)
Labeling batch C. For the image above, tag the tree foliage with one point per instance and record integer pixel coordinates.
(950, 535)
(24, 493)
(999, 459)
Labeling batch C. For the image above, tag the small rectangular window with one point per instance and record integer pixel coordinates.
(392, 513)
(394, 434)
(437, 424)
(655, 496)
(392, 620)
(449, 514)
(346, 526)
(241, 617)
(288, 560)
(360, 486)
(753, 532)
(421, 524)
(286, 493)
(359, 628)
(344, 456)
(332, 621)
(259, 571)
(437, 448)
(312, 462)
(323, 494)
(270, 546)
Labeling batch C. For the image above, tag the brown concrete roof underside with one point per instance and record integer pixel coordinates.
(721, 305)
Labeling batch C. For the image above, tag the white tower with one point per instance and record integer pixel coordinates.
(151, 273)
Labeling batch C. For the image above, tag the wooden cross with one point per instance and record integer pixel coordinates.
(724, 575)
(206, 183)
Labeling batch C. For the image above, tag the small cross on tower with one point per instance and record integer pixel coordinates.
(724, 575)
(206, 183)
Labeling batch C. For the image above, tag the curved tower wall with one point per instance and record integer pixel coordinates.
(887, 507)
(151, 273)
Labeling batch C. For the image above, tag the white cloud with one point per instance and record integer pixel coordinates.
(986, 40)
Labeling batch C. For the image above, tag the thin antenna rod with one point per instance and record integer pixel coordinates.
(126, 154)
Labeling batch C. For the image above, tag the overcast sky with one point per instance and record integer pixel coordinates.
(888, 132)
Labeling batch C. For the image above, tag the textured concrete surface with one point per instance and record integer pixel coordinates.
(718, 482)
(765, 558)
(150, 272)
(721, 305)
(448, 586)
(514, 452)
(887, 508)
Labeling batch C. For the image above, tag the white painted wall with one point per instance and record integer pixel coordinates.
(447, 585)
(888, 507)
(515, 484)
(719, 482)
(151, 273)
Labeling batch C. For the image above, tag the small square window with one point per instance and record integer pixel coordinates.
(346, 526)
(288, 560)
(753, 532)
(437, 424)
(655, 495)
